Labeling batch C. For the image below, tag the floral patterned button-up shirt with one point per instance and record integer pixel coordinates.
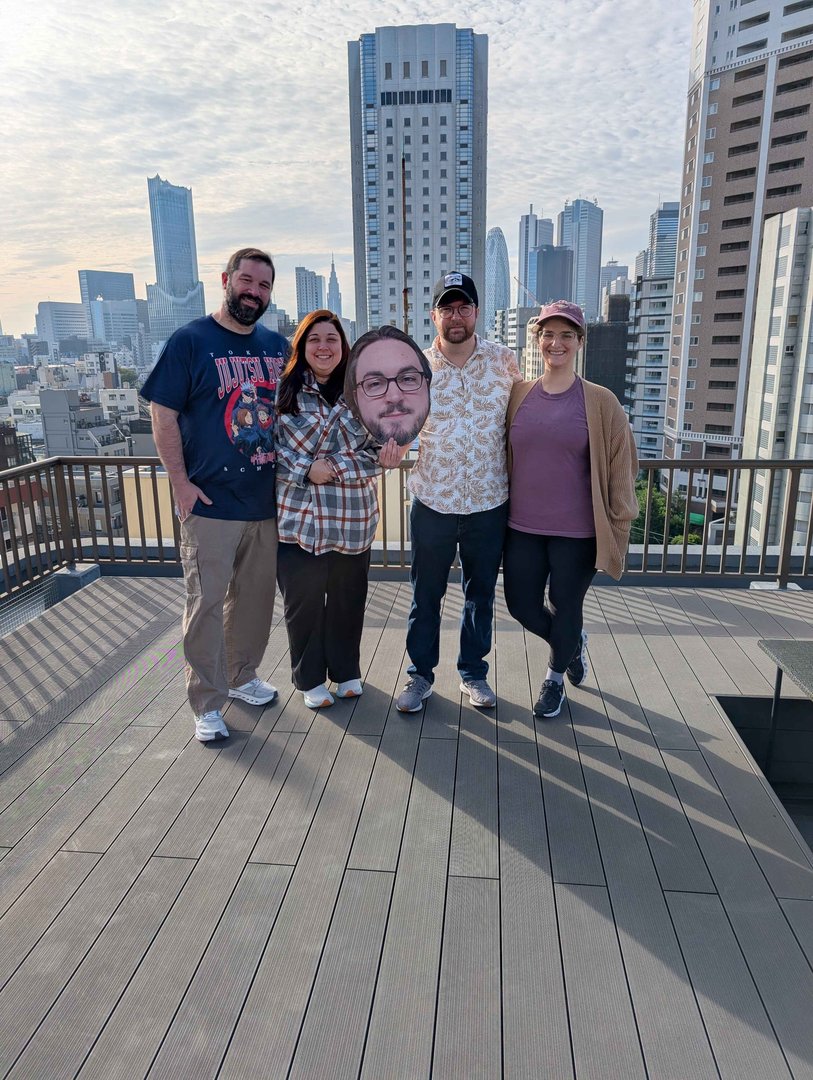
(461, 466)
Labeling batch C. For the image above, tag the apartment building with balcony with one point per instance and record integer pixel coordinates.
(747, 157)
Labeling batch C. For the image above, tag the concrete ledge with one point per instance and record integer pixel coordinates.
(70, 579)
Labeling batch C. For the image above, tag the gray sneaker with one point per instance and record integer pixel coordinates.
(414, 694)
(480, 693)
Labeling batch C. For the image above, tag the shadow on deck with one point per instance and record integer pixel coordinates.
(615, 893)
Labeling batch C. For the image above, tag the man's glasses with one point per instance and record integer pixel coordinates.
(465, 311)
(376, 386)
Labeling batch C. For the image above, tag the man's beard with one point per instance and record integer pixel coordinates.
(458, 339)
(241, 312)
(404, 433)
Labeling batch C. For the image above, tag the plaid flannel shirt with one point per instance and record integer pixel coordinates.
(341, 515)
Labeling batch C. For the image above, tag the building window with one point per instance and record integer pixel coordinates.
(387, 70)
(406, 69)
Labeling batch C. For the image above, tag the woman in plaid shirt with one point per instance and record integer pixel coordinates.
(327, 511)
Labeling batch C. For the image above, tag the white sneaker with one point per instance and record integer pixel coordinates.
(318, 698)
(210, 726)
(351, 688)
(255, 692)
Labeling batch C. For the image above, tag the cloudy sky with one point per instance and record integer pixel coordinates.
(247, 105)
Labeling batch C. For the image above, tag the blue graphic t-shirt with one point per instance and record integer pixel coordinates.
(222, 385)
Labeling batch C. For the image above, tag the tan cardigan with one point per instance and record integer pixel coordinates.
(613, 468)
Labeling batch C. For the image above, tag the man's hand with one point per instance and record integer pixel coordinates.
(186, 495)
(391, 454)
(321, 472)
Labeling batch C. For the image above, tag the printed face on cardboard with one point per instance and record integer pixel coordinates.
(391, 390)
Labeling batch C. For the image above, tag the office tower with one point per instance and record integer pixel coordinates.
(310, 292)
(552, 273)
(105, 285)
(779, 408)
(747, 126)
(177, 296)
(58, 321)
(122, 323)
(334, 296)
(418, 109)
(663, 231)
(580, 226)
(611, 271)
(498, 278)
(533, 232)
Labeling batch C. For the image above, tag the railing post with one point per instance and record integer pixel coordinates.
(788, 523)
(63, 511)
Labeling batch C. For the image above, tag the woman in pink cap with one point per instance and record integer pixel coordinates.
(572, 462)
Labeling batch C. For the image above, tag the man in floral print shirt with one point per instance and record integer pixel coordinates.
(459, 491)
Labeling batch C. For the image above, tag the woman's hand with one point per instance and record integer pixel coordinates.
(321, 472)
(391, 454)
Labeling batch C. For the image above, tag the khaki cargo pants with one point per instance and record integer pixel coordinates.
(230, 571)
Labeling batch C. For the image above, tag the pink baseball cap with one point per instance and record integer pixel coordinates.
(562, 309)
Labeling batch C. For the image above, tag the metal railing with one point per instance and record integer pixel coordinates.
(699, 519)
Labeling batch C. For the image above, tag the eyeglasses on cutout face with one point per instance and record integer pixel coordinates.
(408, 382)
(465, 311)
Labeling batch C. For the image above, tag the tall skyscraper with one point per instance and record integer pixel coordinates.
(334, 296)
(580, 227)
(533, 233)
(310, 292)
(747, 126)
(177, 296)
(663, 232)
(498, 278)
(418, 110)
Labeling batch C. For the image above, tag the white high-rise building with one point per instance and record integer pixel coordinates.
(663, 231)
(57, 321)
(779, 410)
(746, 159)
(176, 298)
(310, 292)
(418, 111)
(498, 278)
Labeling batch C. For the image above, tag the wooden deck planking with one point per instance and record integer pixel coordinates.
(456, 892)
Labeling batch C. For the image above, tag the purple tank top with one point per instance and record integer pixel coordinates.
(551, 491)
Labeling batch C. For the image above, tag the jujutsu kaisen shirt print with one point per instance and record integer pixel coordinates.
(222, 385)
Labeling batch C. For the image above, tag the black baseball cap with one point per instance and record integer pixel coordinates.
(452, 285)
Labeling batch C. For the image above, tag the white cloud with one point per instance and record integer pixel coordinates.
(247, 105)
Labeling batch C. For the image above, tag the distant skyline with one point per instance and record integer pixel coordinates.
(249, 108)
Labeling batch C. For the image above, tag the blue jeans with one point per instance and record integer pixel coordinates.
(435, 540)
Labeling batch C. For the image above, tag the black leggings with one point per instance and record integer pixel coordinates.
(564, 564)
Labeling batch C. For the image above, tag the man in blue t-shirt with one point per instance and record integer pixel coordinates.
(212, 404)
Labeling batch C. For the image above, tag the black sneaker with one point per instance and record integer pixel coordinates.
(577, 669)
(551, 696)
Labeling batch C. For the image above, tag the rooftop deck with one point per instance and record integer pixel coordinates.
(615, 893)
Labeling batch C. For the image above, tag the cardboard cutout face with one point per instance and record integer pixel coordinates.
(387, 385)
